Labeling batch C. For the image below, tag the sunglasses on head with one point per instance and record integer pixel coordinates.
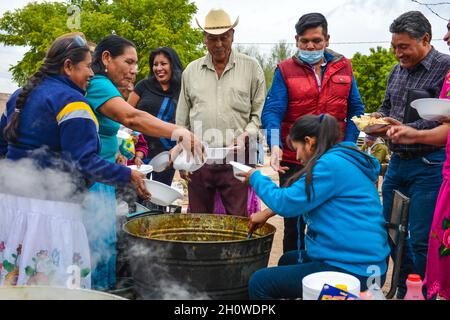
(77, 42)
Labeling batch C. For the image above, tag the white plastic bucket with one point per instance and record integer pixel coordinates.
(313, 283)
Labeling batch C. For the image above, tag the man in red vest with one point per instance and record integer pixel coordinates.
(315, 81)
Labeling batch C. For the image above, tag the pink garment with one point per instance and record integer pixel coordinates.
(253, 204)
(445, 93)
(142, 146)
(438, 259)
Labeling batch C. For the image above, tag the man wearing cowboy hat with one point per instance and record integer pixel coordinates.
(222, 94)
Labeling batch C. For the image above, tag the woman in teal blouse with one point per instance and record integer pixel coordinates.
(115, 66)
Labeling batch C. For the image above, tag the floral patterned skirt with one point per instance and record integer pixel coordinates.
(438, 258)
(43, 243)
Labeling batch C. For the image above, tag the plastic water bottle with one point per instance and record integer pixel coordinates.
(414, 288)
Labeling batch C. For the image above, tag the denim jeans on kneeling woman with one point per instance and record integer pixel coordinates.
(285, 281)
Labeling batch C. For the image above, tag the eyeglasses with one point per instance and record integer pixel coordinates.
(77, 42)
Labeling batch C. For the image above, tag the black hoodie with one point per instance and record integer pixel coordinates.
(160, 103)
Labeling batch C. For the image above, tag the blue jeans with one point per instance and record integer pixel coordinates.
(419, 179)
(294, 228)
(285, 281)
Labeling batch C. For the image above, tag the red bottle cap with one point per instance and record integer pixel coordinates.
(414, 278)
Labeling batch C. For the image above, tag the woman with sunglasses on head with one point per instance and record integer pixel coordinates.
(49, 127)
(115, 66)
(336, 195)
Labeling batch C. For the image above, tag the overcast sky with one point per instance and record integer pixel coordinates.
(268, 21)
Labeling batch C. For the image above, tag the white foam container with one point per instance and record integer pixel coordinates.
(162, 194)
(313, 284)
(432, 109)
(144, 169)
(188, 163)
(239, 168)
(160, 162)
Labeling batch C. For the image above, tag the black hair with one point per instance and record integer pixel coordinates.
(413, 23)
(327, 132)
(71, 47)
(311, 20)
(175, 63)
(115, 45)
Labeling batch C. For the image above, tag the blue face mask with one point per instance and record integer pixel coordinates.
(310, 57)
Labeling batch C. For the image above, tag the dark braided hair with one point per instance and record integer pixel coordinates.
(327, 131)
(70, 47)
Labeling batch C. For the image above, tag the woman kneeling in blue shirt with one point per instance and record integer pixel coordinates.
(336, 195)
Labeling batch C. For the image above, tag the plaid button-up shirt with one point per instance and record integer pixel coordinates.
(428, 74)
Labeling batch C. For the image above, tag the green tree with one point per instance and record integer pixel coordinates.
(371, 73)
(263, 61)
(278, 53)
(148, 23)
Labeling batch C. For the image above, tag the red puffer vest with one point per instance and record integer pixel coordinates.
(305, 98)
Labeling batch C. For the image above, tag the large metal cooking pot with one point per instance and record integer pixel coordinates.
(53, 293)
(195, 256)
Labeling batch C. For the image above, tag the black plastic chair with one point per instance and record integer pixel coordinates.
(398, 231)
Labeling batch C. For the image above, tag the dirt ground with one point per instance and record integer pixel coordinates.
(277, 222)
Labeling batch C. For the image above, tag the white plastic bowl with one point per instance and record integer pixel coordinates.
(312, 284)
(145, 168)
(160, 162)
(432, 109)
(183, 163)
(162, 194)
(240, 168)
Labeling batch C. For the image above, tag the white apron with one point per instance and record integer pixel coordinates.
(43, 243)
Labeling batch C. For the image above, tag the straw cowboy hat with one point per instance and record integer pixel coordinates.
(217, 22)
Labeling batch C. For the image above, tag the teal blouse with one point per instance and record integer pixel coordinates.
(101, 90)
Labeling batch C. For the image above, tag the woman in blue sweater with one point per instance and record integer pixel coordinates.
(49, 128)
(336, 195)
